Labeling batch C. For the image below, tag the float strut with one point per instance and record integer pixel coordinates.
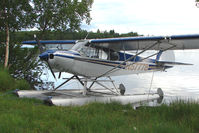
(85, 87)
(63, 83)
(79, 80)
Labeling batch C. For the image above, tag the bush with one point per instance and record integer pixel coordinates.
(6, 81)
(22, 85)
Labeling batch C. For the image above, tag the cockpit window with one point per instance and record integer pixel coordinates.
(79, 45)
(93, 52)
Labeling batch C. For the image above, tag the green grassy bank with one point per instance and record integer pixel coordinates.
(31, 116)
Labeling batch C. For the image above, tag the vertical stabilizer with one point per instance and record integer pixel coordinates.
(167, 56)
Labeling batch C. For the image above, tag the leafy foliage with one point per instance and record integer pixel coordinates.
(22, 85)
(14, 15)
(61, 14)
(17, 14)
(23, 63)
(6, 81)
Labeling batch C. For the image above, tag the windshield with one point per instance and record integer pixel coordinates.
(93, 52)
(88, 51)
(79, 45)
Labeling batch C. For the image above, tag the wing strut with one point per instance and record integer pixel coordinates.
(147, 48)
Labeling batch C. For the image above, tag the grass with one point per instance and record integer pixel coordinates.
(7, 82)
(32, 116)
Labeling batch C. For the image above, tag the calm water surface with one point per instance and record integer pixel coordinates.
(179, 82)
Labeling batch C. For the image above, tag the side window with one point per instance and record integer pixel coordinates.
(98, 53)
(103, 55)
(94, 53)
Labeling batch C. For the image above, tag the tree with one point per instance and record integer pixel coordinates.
(23, 62)
(111, 32)
(14, 15)
(98, 31)
(61, 14)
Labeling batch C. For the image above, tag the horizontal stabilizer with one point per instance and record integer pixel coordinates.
(171, 63)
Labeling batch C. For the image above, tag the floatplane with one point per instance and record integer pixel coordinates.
(89, 60)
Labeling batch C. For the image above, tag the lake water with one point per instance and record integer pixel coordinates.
(179, 82)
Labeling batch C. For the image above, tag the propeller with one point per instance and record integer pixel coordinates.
(51, 70)
(45, 56)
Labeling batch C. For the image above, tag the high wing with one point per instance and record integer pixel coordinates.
(51, 42)
(174, 42)
(54, 44)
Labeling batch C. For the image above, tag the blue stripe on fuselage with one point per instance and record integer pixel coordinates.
(125, 56)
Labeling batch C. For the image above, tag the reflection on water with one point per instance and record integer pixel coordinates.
(177, 82)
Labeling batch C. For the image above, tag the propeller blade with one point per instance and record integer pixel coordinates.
(51, 70)
(59, 75)
(41, 49)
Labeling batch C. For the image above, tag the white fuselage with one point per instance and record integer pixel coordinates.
(72, 62)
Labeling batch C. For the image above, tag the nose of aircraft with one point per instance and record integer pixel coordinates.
(45, 55)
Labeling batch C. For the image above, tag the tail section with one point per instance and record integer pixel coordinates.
(167, 58)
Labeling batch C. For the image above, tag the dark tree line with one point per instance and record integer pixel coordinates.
(66, 35)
